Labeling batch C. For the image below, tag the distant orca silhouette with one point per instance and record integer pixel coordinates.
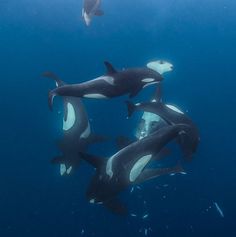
(127, 167)
(76, 129)
(113, 84)
(189, 139)
(91, 8)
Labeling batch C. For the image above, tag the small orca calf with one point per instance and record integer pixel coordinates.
(188, 139)
(77, 134)
(128, 167)
(91, 8)
(113, 84)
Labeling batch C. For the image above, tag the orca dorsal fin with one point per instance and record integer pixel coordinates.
(110, 68)
(54, 77)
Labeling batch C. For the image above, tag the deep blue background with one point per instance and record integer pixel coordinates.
(198, 37)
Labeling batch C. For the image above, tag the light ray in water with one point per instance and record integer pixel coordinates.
(219, 210)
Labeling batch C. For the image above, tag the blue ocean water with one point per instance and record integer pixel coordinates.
(198, 37)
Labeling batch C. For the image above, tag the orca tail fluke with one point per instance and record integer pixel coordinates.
(65, 166)
(131, 108)
(51, 95)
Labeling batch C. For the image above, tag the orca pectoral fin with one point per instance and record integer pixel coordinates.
(54, 77)
(185, 144)
(135, 91)
(99, 12)
(130, 107)
(148, 174)
(122, 142)
(95, 161)
(116, 206)
(110, 68)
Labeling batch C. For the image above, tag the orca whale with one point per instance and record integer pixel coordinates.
(77, 134)
(113, 84)
(128, 167)
(149, 121)
(91, 8)
(189, 138)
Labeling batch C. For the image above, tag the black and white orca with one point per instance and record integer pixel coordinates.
(128, 167)
(91, 8)
(149, 121)
(189, 139)
(113, 84)
(77, 134)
